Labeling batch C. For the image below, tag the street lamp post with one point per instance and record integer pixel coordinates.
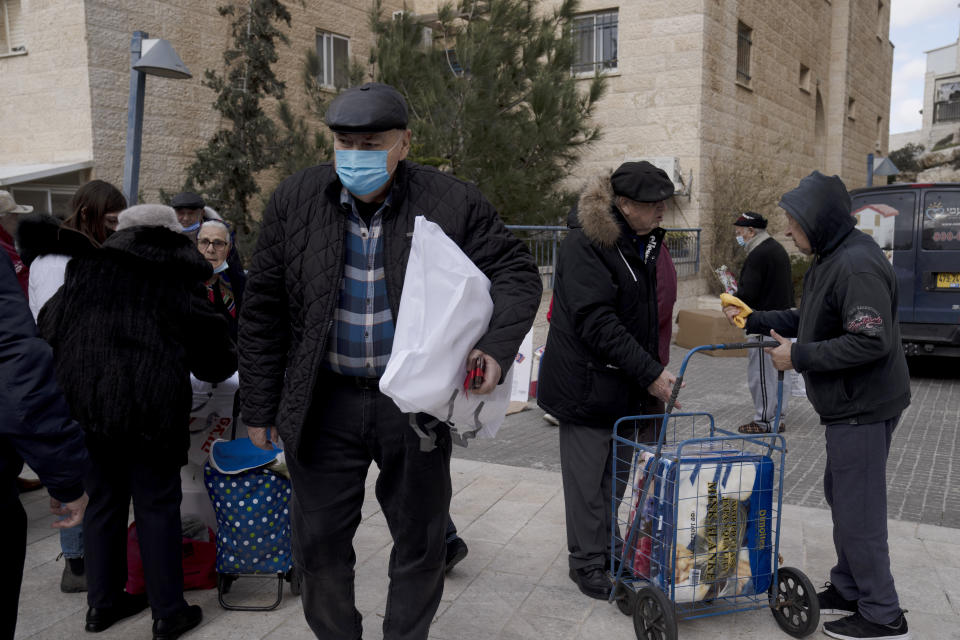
(158, 58)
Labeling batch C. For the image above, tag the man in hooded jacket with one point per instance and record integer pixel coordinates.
(601, 360)
(849, 351)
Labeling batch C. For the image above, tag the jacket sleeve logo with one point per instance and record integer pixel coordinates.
(864, 320)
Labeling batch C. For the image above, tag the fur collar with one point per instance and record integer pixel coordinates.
(159, 248)
(596, 213)
(42, 234)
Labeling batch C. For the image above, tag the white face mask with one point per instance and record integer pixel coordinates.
(741, 241)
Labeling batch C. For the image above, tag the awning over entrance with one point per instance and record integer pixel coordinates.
(20, 173)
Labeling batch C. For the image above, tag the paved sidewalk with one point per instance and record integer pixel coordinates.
(513, 585)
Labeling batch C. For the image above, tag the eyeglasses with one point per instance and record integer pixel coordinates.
(216, 244)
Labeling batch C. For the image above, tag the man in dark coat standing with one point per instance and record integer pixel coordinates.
(849, 351)
(765, 284)
(35, 425)
(316, 332)
(601, 361)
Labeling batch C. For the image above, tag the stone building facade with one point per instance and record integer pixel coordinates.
(63, 118)
(772, 89)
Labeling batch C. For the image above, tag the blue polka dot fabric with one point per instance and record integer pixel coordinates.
(253, 520)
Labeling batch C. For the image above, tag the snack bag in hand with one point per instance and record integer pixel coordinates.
(741, 318)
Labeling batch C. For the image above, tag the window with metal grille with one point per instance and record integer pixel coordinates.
(334, 53)
(595, 35)
(11, 28)
(744, 43)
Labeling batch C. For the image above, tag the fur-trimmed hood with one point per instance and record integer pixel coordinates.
(41, 234)
(159, 248)
(596, 214)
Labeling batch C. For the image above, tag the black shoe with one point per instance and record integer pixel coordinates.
(128, 605)
(456, 551)
(856, 627)
(831, 602)
(592, 581)
(178, 624)
(74, 578)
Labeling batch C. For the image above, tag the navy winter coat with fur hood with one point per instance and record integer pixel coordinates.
(602, 349)
(848, 344)
(129, 325)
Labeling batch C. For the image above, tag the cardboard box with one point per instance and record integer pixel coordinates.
(707, 326)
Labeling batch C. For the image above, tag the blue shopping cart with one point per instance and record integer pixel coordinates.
(695, 530)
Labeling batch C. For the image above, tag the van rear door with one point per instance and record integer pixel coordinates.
(888, 216)
(937, 283)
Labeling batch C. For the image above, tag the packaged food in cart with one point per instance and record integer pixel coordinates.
(722, 518)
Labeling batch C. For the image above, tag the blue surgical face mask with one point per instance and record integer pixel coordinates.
(362, 171)
(193, 227)
(741, 241)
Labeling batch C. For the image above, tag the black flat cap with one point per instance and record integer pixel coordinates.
(751, 219)
(641, 181)
(368, 108)
(187, 200)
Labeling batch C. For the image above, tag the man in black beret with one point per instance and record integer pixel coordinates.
(316, 332)
(601, 360)
(765, 284)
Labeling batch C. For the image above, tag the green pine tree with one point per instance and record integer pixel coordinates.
(225, 171)
(492, 98)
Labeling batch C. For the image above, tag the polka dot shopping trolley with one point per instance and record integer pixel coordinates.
(251, 499)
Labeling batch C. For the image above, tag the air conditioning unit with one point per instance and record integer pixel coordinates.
(671, 165)
(398, 14)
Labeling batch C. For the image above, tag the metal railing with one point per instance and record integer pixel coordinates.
(947, 111)
(544, 243)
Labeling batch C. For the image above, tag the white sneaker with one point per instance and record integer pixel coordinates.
(551, 420)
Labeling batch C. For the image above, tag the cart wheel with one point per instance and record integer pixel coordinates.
(294, 579)
(623, 595)
(794, 603)
(225, 581)
(653, 615)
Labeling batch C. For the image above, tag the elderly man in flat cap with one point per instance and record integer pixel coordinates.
(765, 283)
(601, 360)
(316, 331)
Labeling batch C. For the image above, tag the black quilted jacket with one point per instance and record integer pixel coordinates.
(295, 274)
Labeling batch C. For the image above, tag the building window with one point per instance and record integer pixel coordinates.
(880, 19)
(946, 105)
(804, 77)
(852, 108)
(334, 53)
(596, 40)
(744, 44)
(11, 28)
(879, 144)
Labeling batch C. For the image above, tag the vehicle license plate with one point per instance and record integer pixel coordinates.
(948, 281)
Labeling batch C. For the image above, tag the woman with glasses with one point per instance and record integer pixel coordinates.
(225, 287)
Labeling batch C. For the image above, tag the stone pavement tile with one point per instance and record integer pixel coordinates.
(558, 603)
(605, 621)
(370, 538)
(528, 490)
(530, 560)
(928, 627)
(481, 494)
(920, 590)
(910, 552)
(478, 559)
(501, 522)
(528, 626)
(484, 607)
(943, 554)
(950, 579)
(938, 534)
(43, 550)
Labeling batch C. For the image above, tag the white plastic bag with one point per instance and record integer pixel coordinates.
(211, 416)
(445, 308)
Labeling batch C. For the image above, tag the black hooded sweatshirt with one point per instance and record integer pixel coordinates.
(848, 338)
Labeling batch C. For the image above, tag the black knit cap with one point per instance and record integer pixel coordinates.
(187, 200)
(751, 219)
(369, 108)
(641, 181)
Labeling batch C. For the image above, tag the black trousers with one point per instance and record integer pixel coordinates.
(15, 543)
(348, 427)
(116, 476)
(855, 486)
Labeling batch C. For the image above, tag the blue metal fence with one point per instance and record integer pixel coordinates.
(544, 241)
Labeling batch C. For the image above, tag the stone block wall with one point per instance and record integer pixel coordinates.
(45, 110)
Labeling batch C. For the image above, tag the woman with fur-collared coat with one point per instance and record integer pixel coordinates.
(601, 359)
(128, 327)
